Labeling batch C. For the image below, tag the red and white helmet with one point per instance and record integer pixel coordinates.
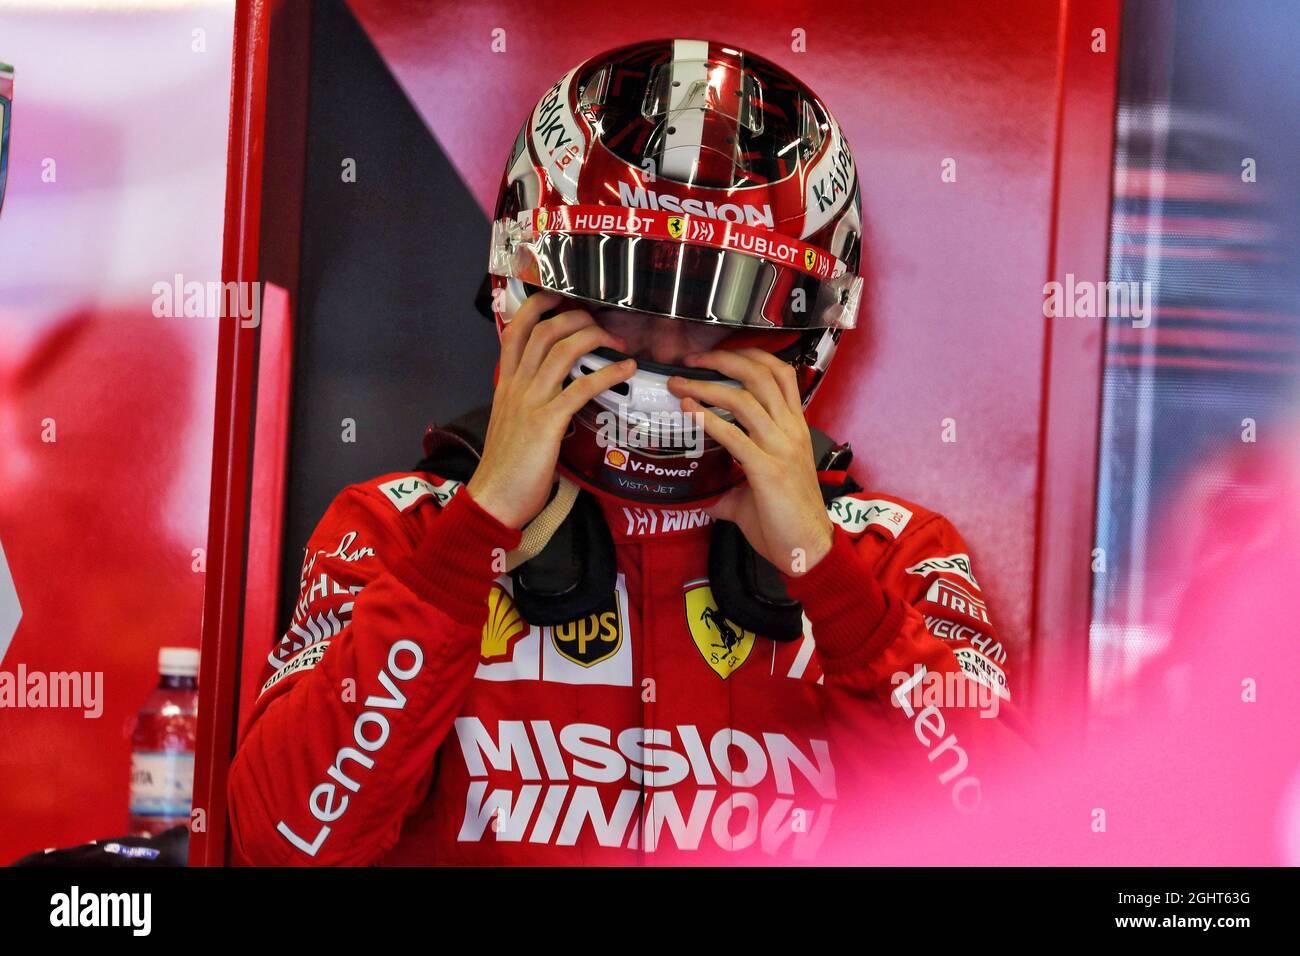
(692, 180)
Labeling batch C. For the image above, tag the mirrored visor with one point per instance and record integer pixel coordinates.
(677, 279)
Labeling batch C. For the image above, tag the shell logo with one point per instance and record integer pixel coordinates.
(503, 627)
(616, 458)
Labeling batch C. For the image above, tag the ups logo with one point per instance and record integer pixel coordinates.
(591, 639)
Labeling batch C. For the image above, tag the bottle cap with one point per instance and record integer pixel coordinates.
(178, 661)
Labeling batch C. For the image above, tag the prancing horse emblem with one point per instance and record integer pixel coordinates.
(724, 644)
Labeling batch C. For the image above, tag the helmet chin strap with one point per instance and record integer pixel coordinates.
(542, 528)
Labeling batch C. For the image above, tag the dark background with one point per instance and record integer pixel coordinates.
(387, 333)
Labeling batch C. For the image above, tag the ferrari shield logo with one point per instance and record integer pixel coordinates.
(810, 259)
(675, 227)
(543, 215)
(591, 639)
(6, 108)
(725, 645)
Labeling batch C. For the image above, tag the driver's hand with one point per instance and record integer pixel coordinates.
(530, 409)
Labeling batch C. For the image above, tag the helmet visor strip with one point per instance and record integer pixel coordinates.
(686, 267)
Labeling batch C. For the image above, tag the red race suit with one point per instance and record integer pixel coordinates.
(410, 715)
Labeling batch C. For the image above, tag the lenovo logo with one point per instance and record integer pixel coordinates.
(369, 734)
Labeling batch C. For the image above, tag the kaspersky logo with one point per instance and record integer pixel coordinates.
(833, 176)
(642, 198)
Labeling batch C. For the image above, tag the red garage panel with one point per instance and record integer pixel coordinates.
(114, 188)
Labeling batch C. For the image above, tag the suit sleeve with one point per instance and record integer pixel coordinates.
(368, 678)
(908, 650)
(878, 613)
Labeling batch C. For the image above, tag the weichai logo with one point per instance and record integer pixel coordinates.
(680, 788)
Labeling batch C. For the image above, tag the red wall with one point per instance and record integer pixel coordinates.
(98, 526)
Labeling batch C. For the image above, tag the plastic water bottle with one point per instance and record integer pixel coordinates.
(162, 746)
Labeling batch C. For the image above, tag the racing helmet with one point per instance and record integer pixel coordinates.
(692, 180)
